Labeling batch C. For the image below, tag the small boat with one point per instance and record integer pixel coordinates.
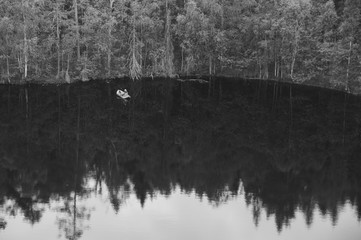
(123, 94)
(2, 223)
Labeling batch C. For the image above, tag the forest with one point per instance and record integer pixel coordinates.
(302, 41)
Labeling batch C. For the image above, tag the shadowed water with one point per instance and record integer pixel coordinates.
(253, 160)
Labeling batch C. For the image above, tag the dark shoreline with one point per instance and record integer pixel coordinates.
(202, 78)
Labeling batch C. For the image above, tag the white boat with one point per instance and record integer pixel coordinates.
(123, 94)
(2, 223)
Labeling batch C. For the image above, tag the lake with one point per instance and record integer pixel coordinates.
(241, 159)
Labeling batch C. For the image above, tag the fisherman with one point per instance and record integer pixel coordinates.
(123, 94)
(2, 223)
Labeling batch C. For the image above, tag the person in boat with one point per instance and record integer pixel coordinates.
(2, 223)
(123, 94)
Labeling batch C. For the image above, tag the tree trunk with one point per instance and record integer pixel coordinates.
(348, 66)
(109, 62)
(135, 69)
(84, 73)
(293, 65)
(214, 67)
(274, 56)
(67, 77)
(266, 56)
(168, 44)
(77, 29)
(25, 50)
(295, 51)
(7, 60)
(260, 66)
(182, 62)
(58, 39)
(109, 56)
(8, 68)
(2, 73)
(18, 57)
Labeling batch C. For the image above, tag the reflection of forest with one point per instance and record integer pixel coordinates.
(288, 157)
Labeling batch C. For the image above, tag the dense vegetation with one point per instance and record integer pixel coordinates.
(301, 40)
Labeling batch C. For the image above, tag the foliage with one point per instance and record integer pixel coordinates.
(314, 41)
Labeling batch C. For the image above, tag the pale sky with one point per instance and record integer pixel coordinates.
(180, 217)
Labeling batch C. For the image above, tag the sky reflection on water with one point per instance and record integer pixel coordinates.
(180, 216)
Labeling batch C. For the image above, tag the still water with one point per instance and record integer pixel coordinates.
(175, 163)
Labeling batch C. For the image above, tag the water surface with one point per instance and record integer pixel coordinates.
(174, 163)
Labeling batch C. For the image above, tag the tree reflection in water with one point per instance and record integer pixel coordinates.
(174, 135)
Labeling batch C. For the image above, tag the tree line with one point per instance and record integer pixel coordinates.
(301, 40)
